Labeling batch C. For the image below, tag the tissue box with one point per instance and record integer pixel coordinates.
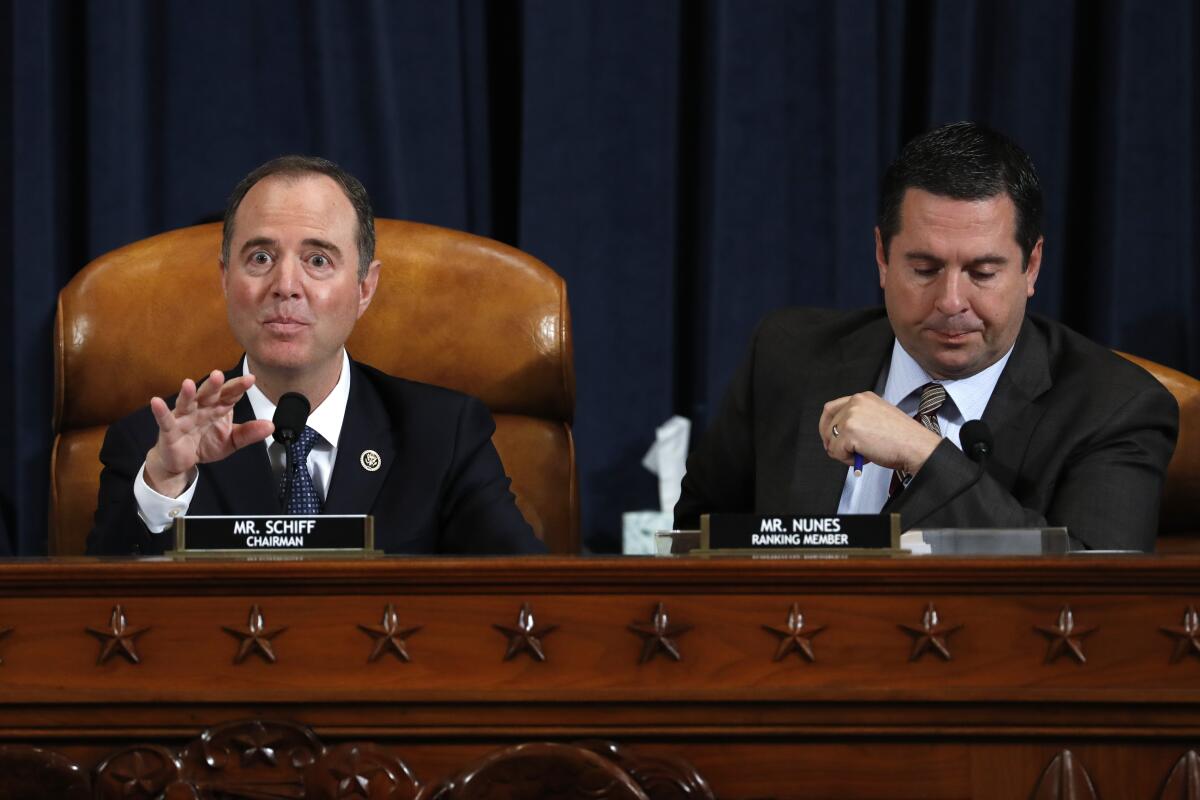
(638, 527)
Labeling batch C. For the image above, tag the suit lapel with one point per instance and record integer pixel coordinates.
(367, 426)
(245, 478)
(1010, 413)
(854, 366)
(1026, 377)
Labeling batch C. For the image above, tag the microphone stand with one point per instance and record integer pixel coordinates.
(285, 490)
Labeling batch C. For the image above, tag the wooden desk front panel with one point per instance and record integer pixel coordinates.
(862, 719)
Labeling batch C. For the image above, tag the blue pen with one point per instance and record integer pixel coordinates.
(858, 465)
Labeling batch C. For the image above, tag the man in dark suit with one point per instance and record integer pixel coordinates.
(1081, 436)
(298, 270)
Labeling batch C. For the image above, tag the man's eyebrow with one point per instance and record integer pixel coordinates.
(990, 258)
(921, 255)
(323, 244)
(983, 260)
(258, 241)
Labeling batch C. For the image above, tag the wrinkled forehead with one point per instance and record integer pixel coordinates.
(301, 205)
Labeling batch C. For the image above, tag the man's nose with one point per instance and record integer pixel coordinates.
(288, 276)
(952, 288)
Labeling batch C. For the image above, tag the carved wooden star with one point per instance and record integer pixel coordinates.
(657, 633)
(118, 638)
(258, 744)
(3, 633)
(931, 634)
(389, 637)
(137, 777)
(356, 781)
(1187, 637)
(255, 639)
(1065, 637)
(796, 637)
(525, 637)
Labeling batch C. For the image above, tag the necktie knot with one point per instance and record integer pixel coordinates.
(933, 397)
(302, 445)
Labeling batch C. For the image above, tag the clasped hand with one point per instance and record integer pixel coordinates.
(877, 430)
(199, 430)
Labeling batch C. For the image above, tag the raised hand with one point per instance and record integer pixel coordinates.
(199, 430)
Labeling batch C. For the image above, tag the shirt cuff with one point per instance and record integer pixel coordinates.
(158, 512)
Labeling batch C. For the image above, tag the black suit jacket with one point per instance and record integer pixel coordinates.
(1082, 436)
(440, 488)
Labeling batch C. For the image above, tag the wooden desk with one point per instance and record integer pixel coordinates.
(879, 712)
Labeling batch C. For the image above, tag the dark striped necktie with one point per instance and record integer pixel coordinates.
(933, 395)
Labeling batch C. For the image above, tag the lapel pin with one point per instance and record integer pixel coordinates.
(370, 460)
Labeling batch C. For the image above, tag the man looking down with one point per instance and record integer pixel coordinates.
(1081, 436)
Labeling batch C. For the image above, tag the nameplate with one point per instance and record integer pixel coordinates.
(247, 535)
(799, 532)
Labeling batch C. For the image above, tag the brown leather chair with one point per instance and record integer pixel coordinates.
(452, 309)
(1179, 518)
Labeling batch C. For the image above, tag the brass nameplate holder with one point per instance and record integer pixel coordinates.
(245, 535)
(798, 534)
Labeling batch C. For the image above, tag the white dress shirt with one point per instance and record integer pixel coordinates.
(966, 398)
(158, 512)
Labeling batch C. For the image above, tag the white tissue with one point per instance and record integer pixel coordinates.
(666, 458)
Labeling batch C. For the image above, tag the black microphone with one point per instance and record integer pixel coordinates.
(290, 415)
(976, 439)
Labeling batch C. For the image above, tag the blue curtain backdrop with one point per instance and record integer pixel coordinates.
(685, 164)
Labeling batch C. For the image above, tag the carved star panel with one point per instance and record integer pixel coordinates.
(658, 635)
(255, 638)
(526, 637)
(796, 637)
(361, 770)
(1065, 637)
(931, 635)
(389, 636)
(118, 638)
(252, 759)
(1186, 636)
(141, 771)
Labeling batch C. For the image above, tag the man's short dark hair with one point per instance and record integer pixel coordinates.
(298, 166)
(964, 161)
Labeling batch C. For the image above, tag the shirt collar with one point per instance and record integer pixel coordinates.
(326, 419)
(970, 394)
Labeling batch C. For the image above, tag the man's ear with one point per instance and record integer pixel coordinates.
(880, 257)
(367, 287)
(1034, 267)
(224, 276)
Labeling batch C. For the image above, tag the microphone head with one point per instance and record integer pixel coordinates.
(976, 439)
(292, 412)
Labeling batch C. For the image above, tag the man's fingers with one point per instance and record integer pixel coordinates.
(185, 403)
(250, 432)
(210, 390)
(162, 414)
(233, 390)
(828, 414)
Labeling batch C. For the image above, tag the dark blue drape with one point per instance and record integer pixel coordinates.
(685, 165)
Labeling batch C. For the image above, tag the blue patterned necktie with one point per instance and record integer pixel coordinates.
(304, 498)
